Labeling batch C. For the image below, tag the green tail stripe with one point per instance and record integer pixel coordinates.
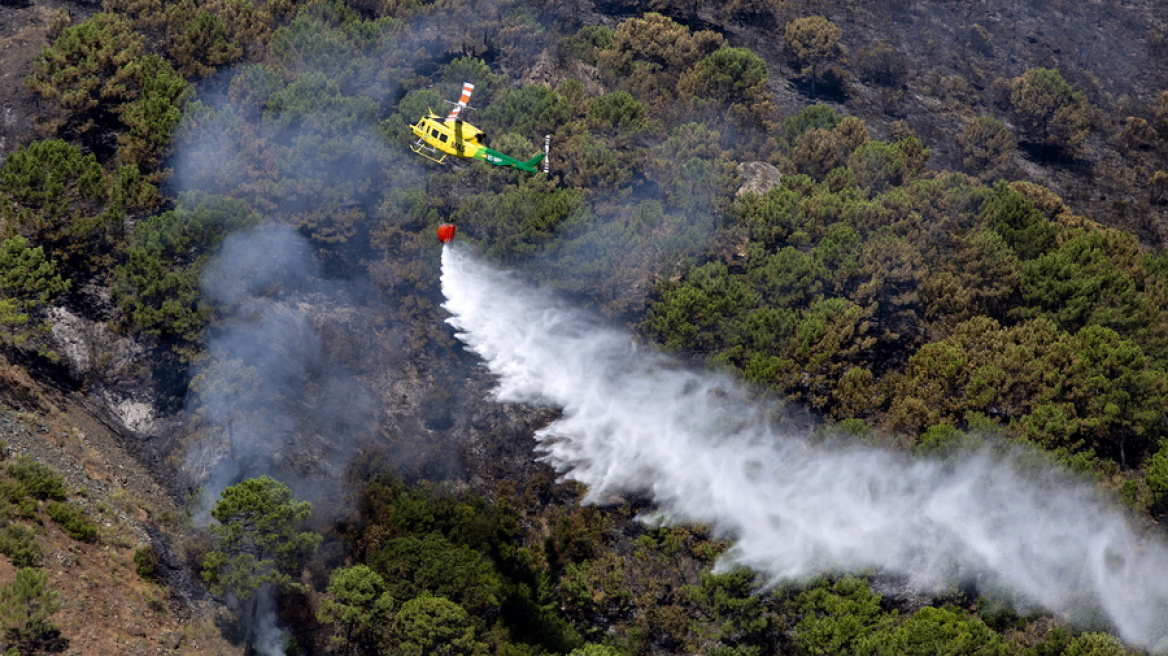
(499, 159)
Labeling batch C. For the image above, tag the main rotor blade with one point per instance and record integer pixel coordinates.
(467, 89)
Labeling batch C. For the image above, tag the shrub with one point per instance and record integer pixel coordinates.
(882, 64)
(18, 542)
(73, 521)
(12, 491)
(38, 480)
(146, 563)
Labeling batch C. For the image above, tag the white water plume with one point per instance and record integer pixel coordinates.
(696, 443)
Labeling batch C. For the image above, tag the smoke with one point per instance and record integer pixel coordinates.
(637, 422)
(270, 637)
(272, 398)
(295, 380)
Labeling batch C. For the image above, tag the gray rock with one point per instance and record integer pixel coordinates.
(758, 177)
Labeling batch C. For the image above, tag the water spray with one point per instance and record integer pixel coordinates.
(706, 451)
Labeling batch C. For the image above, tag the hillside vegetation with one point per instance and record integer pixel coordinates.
(927, 227)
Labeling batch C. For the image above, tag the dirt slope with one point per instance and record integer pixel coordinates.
(106, 607)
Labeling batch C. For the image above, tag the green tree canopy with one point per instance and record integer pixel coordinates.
(431, 564)
(86, 70)
(334, 40)
(57, 196)
(933, 632)
(306, 156)
(98, 74)
(836, 617)
(157, 285)
(63, 201)
(530, 111)
(648, 54)
(257, 538)
(737, 616)
(1024, 227)
(823, 117)
(428, 626)
(986, 145)
(202, 42)
(728, 75)
(154, 112)
(26, 604)
(1051, 112)
(28, 282)
(519, 221)
(257, 542)
(812, 41)
(357, 600)
(594, 650)
(1096, 644)
(1090, 279)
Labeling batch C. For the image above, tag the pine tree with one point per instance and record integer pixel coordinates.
(26, 604)
(257, 541)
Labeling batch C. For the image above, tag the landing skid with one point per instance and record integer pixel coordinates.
(429, 152)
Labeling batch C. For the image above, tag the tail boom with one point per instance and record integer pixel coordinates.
(499, 159)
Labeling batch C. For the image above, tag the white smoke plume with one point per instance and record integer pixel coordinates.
(270, 398)
(704, 450)
(271, 638)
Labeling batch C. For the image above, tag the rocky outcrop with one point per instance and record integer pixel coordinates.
(758, 177)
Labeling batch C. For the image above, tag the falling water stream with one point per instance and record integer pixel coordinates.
(705, 450)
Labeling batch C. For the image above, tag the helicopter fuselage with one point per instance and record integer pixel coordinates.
(443, 137)
(439, 137)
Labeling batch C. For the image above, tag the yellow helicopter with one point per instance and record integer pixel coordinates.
(440, 137)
